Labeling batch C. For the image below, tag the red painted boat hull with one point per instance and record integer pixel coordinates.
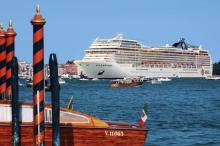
(79, 136)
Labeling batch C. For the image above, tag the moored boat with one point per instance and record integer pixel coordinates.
(126, 82)
(29, 83)
(62, 81)
(164, 79)
(213, 78)
(155, 81)
(95, 79)
(83, 77)
(77, 129)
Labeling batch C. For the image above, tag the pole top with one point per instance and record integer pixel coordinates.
(38, 19)
(38, 9)
(10, 30)
(10, 24)
(2, 32)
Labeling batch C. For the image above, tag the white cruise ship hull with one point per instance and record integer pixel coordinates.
(110, 70)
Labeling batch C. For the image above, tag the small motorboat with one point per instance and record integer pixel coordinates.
(62, 81)
(29, 83)
(212, 78)
(164, 79)
(127, 82)
(95, 79)
(66, 76)
(155, 81)
(83, 77)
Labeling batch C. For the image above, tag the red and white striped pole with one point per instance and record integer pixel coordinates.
(2, 63)
(38, 78)
(10, 39)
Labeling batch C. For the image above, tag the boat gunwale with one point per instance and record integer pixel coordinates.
(8, 124)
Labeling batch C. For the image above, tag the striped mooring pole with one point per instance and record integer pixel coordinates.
(38, 78)
(2, 63)
(10, 39)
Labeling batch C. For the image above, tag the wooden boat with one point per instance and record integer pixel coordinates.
(77, 129)
(127, 82)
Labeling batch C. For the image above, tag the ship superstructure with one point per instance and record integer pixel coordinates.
(119, 58)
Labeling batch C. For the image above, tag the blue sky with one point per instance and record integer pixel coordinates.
(73, 24)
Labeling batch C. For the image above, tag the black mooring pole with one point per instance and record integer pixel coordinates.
(55, 95)
(15, 104)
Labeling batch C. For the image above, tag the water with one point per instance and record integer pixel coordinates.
(183, 112)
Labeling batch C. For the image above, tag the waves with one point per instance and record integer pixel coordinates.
(183, 112)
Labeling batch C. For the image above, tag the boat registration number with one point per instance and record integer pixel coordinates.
(114, 133)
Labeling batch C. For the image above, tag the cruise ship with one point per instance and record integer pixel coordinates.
(119, 57)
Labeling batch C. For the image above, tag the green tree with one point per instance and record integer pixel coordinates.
(70, 62)
(216, 68)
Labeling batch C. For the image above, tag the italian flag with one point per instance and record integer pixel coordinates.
(144, 115)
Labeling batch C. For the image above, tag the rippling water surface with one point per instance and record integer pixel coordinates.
(183, 112)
